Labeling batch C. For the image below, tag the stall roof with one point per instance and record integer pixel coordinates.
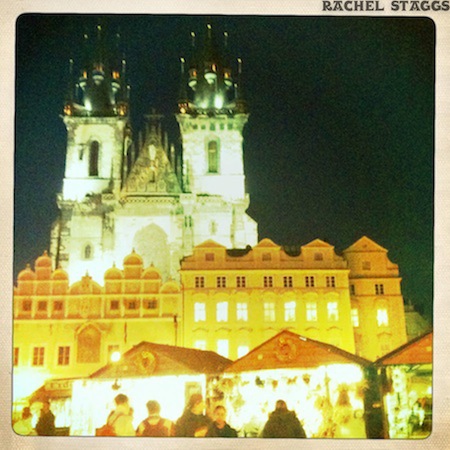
(147, 359)
(416, 351)
(290, 350)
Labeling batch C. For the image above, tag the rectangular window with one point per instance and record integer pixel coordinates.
(311, 312)
(221, 282)
(242, 350)
(132, 304)
(289, 311)
(241, 282)
(352, 289)
(199, 312)
(242, 311)
(331, 282)
(366, 265)
(199, 282)
(114, 305)
(26, 305)
(63, 356)
(200, 344)
(222, 312)
(42, 306)
(38, 356)
(209, 256)
(268, 281)
(309, 281)
(355, 317)
(151, 304)
(382, 317)
(318, 256)
(57, 305)
(287, 282)
(267, 257)
(269, 312)
(16, 356)
(223, 347)
(333, 313)
(379, 289)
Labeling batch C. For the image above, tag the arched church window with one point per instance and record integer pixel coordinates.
(88, 251)
(93, 158)
(213, 157)
(89, 341)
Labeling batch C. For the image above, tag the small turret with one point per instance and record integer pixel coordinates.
(101, 89)
(210, 85)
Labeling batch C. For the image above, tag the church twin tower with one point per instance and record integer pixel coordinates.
(121, 194)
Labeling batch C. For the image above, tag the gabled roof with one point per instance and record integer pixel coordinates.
(416, 351)
(266, 243)
(365, 244)
(290, 350)
(318, 243)
(149, 359)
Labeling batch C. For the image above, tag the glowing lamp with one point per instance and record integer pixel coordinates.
(115, 357)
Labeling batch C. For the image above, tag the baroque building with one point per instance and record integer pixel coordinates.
(121, 193)
(193, 273)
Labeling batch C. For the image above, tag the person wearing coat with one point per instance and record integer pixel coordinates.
(220, 428)
(193, 423)
(122, 417)
(283, 423)
(46, 423)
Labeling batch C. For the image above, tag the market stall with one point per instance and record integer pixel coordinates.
(323, 384)
(406, 382)
(148, 371)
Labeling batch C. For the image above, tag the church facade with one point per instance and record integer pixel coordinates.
(156, 245)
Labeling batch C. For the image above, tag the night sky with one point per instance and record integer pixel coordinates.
(339, 143)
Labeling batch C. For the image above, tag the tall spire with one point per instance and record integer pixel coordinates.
(210, 85)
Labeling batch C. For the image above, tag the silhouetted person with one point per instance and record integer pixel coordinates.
(220, 428)
(46, 423)
(122, 417)
(193, 423)
(24, 426)
(154, 425)
(283, 423)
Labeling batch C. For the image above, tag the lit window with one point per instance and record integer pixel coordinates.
(42, 306)
(38, 356)
(309, 281)
(287, 282)
(63, 356)
(26, 305)
(266, 257)
(213, 157)
(382, 317)
(199, 312)
(152, 304)
(16, 356)
(311, 312)
(268, 281)
(200, 344)
(318, 257)
(221, 282)
(242, 350)
(333, 313)
(241, 282)
(355, 317)
(114, 305)
(331, 281)
(379, 289)
(352, 289)
(289, 311)
(222, 312)
(199, 282)
(269, 312)
(242, 311)
(366, 265)
(223, 347)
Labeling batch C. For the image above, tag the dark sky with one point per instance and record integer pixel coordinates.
(339, 143)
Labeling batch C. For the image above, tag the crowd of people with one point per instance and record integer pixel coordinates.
(282, 423)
